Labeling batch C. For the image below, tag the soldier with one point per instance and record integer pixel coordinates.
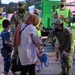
(39, 26)
(19, 16)
(1, 19)
(66, 15)
(66, 45)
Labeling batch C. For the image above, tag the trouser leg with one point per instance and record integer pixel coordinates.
(63, 72)
(69, 71)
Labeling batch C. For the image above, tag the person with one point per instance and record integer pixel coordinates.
(7, 46)
(38, 64)
(1, 19)
(41, 59)
(16, 19)
(20, 15)
(29, 40)
(40, 23)
(66, 15)
(66, 45)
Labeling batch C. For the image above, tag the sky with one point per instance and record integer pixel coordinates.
(70, 1)
(8, 1)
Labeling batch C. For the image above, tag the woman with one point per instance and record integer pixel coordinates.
(28, 43)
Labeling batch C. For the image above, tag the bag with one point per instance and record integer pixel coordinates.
(1, 42)
(15, 65)
(17, 35)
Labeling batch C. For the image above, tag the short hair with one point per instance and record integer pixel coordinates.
(5, 23)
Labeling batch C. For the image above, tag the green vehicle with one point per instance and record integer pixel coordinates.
(47, 8)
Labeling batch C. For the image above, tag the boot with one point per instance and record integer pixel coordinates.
(63, 72)
(69, 71)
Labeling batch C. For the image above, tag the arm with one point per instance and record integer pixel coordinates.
(35, 40)
(69, 19)
(8, 43)
(38, 54)
(7, 39)
(50, 37)
(13, 23)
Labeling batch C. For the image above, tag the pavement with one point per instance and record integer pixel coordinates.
(54, 66)
(52, 69)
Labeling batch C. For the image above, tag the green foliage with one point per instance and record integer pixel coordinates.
(11, 9)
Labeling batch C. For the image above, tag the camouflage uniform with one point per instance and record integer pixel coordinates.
(66, 43)
(18, 17)
(66, 19)
(62, 13)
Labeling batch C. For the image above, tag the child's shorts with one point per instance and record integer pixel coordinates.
(39, 67)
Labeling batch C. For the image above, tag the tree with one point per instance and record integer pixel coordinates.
(12, 7)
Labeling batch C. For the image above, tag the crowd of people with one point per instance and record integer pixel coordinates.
(26, 43)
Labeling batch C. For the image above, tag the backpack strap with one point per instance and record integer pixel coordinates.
(23, 29)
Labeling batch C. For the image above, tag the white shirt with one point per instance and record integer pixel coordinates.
(27, 49)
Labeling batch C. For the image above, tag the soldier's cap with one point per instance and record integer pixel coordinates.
(57, 22)
(21, 4)
(1, 10)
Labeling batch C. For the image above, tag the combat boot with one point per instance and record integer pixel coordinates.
(63, 72)
(69, 71)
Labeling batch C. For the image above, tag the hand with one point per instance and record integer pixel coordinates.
(65, 53)
(37, 28)
(62, 17)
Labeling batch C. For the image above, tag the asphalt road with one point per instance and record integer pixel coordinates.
(53, 67)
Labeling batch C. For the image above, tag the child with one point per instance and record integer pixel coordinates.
(7, 46)
(41, 58)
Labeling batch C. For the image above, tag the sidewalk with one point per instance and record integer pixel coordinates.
(52, 69)
(54, 66)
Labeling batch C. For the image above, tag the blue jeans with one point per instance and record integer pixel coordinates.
(7, 60)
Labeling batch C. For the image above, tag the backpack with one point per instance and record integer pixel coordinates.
(1, 42)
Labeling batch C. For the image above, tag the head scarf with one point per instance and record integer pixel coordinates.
(32, 19)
